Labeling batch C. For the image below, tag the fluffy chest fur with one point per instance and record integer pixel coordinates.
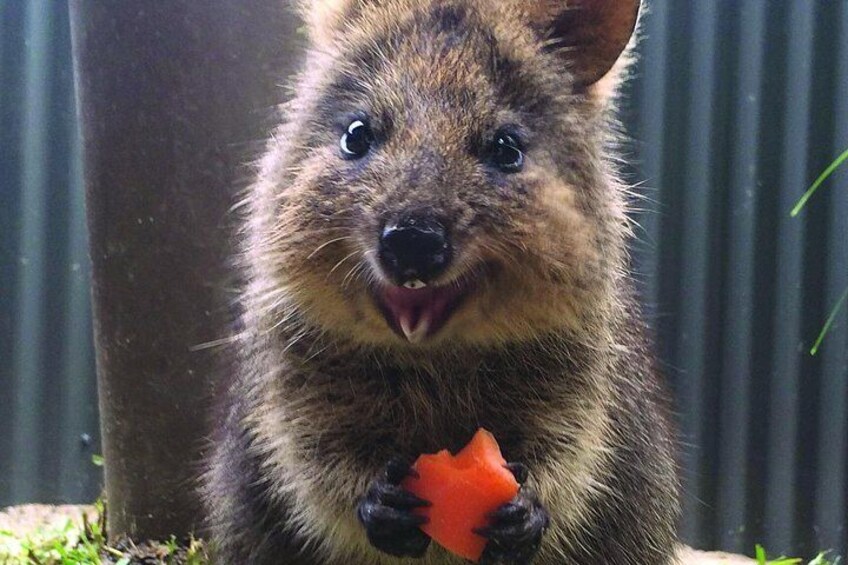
(325, 425)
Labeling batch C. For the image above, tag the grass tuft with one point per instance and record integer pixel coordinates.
(57, 544)
(85, 543)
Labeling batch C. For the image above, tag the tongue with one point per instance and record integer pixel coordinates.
(417, 312)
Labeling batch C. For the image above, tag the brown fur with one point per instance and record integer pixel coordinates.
(548, 352)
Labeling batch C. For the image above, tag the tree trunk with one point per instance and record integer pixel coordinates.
(175, 97)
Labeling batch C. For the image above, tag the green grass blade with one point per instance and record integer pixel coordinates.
(820, 559)
(830, 320)
(823, 177)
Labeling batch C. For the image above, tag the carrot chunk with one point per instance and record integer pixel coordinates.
(462, 490)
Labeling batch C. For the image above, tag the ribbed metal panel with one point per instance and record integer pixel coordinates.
(47, 386)
(737, 106)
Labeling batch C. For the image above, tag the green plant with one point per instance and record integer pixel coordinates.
(820, 559)
(797, 210)
(196, 554)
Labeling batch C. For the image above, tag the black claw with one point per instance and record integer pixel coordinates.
(389, 519)
(511, 513)
(397, 497)
(515, 532)
(387, 514)
(519, 471)
(398, 469)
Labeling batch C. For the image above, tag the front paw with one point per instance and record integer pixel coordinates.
(515, 531)
(387, 514)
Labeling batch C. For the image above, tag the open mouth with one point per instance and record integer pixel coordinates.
(416, 311)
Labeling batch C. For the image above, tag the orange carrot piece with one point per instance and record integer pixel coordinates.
(462, 490)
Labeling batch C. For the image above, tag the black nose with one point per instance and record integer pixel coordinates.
(414, 249)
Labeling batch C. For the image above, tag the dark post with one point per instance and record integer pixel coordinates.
(175, 97)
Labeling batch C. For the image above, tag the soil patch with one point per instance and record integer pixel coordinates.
(24, 520)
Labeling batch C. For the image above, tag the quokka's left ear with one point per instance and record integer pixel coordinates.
(589, 34)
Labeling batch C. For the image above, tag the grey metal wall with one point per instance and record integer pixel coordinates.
(737, 106)
(48, 418)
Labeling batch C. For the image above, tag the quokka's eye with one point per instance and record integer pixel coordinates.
(356, 141)
(507, 154)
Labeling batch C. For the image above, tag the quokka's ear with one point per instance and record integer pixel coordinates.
(590, 34)
(325, 17)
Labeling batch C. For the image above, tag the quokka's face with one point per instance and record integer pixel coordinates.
(440, 178)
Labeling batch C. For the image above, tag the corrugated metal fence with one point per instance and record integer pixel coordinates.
(48, 407)
(738, 104)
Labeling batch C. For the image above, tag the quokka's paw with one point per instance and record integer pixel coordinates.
(386, 511)
(515, 529)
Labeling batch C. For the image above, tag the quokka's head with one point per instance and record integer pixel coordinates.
(441, 177)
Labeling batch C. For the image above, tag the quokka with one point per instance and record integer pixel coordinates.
(436, 241)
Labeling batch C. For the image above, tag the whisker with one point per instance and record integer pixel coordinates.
(339, 264)
(326, 244)
(216, 343)
(354, 272)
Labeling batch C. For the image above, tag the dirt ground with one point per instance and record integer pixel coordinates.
(688, 556)
(24, 519)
